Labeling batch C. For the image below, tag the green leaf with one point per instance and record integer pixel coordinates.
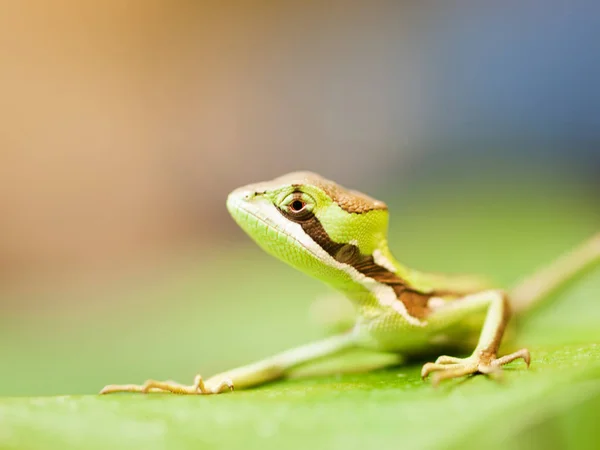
(385, 409)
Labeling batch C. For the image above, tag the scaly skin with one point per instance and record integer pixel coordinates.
(340, 237)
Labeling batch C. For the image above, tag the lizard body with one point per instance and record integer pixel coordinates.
(340, 237)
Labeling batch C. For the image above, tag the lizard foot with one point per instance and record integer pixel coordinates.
(446, 367)
(198, 388)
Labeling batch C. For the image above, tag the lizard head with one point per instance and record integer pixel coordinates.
(311, 223)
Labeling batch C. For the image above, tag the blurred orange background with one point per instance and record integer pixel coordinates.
(125, 124)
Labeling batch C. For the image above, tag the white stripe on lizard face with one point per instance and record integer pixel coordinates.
(268, 213)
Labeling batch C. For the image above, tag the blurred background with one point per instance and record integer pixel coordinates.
(123, 126)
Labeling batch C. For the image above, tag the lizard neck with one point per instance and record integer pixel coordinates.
(382, 256)
(388, 286)
(425, 282)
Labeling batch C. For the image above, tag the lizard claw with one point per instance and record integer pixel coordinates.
(446, 367)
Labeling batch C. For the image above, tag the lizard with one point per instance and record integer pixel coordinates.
(339, 236)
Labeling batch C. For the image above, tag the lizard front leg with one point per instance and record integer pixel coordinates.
(484, 358)
(254, 374)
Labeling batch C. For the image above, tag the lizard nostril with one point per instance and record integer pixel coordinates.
(244, 195)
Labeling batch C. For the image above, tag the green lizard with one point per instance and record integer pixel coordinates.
(340, 237)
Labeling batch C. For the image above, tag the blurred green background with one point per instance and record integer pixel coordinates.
(125, 124)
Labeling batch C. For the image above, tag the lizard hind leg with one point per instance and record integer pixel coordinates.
(484, 358)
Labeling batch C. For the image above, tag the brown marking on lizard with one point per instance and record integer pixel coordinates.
(415, 302)
(350, 201)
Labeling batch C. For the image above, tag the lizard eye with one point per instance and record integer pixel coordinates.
(297, 206)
